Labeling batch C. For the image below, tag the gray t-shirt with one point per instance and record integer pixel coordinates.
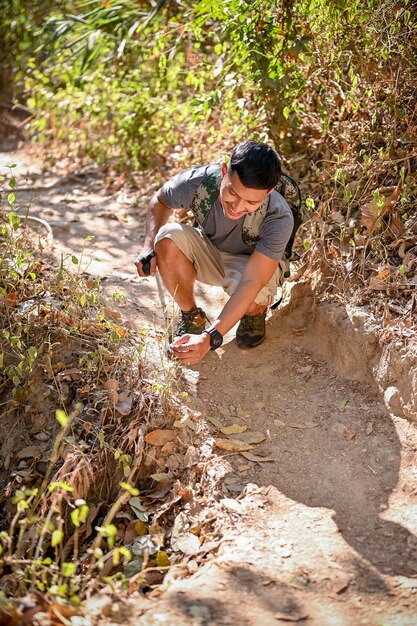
(224, 233)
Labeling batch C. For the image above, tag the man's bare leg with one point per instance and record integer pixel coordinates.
(255, 308)
(177, 272)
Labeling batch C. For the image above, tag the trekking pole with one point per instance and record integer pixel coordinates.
(146, 268)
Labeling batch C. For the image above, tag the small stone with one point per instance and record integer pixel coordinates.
(338, 428)
(99, 606)
(393, 401)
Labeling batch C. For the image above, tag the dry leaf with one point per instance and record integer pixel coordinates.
(342, 405)
(213, 420)
(12, 299)
(231, 445)
(161, 476)
(302, 424)
(257, 459)
(279, 423)
(182, 423)
(134, 529)
(124, 407)
(377, 284)
(72, 373)
(294, 617)
(396, 226)
(379, 206)
(234, 429)
(369, 428)
(160, 437)
(61, 613)
(112, 314)
(252, 437)
(350, 434)
(29, 453)
(111, 383)
(405, 244)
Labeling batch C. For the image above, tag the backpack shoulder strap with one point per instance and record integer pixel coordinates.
(207, 193)
(289, 189)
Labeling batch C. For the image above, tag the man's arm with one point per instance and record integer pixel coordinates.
(191, 349)
(156, 217)
(257, 273)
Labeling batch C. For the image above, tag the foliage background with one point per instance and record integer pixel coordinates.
(164, 84)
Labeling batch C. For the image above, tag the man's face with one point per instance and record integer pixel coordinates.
(236, 199)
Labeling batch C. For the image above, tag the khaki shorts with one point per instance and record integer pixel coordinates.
(213, 266)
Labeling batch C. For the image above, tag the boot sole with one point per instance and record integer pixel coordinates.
(252, 345)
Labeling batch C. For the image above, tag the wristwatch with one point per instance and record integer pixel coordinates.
(216, 339)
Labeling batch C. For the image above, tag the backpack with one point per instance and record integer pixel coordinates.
(208, 192)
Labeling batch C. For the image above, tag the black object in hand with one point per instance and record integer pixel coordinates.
(146, 263)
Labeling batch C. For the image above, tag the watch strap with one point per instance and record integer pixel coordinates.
(216, 338)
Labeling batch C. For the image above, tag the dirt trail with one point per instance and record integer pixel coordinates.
(325, 532)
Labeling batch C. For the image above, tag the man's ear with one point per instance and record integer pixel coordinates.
(224, 168)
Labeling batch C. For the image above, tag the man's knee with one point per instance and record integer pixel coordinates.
(166, 248)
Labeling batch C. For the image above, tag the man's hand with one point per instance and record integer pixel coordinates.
(146, 263)
(190, 349)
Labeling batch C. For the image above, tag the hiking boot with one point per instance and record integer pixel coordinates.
(193, 322)
(251, 330)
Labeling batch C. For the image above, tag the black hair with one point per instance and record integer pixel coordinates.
(257, 164)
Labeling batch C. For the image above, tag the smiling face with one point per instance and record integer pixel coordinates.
(236, 199)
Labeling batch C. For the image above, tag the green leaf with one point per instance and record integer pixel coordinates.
(61, 417)
(57, 537)
(75, 517)
(132, 490)
(60, 485)
(68, 569)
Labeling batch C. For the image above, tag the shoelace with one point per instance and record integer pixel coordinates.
(249, 322)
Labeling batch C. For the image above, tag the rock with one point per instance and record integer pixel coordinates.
(99, 606)
(358, 317)
(339, 429)
(393, 402)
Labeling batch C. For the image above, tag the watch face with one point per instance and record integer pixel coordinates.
(216, 339)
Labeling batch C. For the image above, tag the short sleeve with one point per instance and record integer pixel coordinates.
(179, 192)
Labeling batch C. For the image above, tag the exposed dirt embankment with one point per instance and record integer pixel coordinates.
(348, 337)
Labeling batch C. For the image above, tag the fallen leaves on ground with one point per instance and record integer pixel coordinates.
(160, 437)
(182, 540)
(256, 458)
(294, 617)
(342, 405)
(302, 424)
(232, 445)
(234, 429)
(252, 437)
(381, 204)
(213, 420)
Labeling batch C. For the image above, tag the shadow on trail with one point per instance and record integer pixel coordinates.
(340, 463)
(259, 601)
